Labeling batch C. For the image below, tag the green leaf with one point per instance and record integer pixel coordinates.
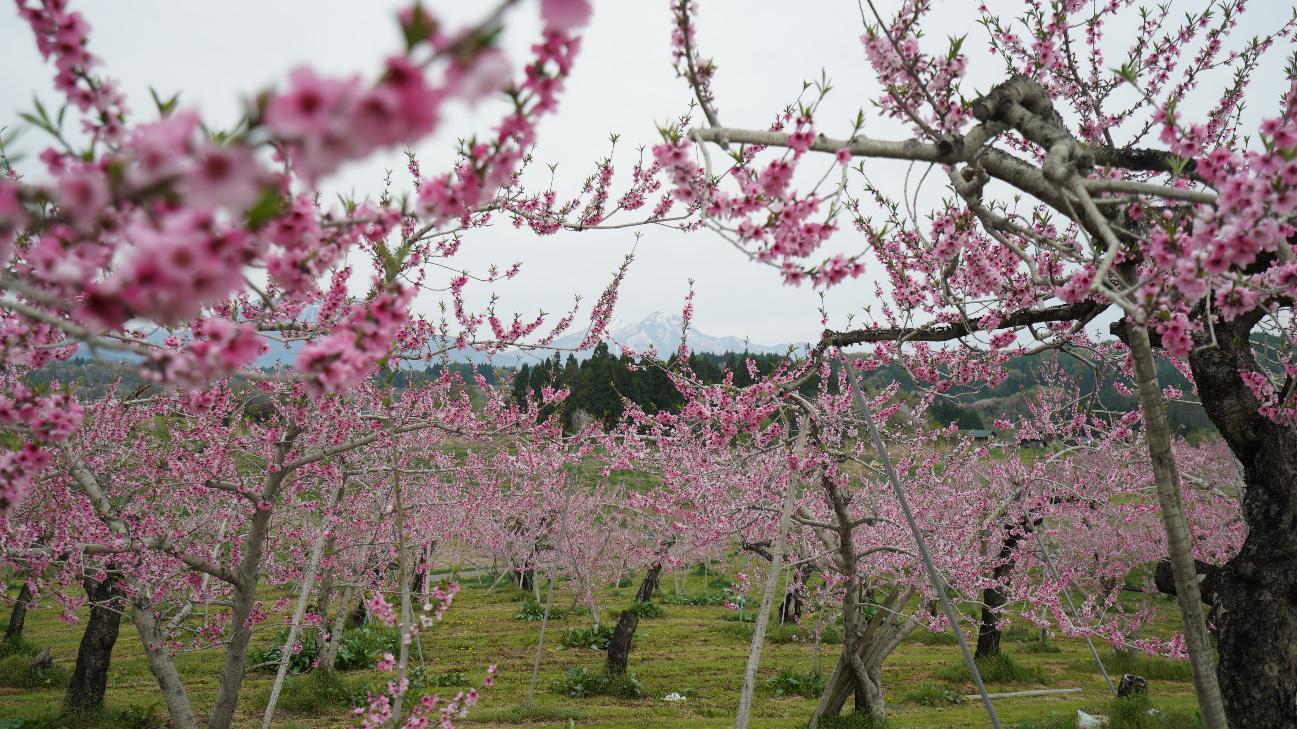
(165, 106)
(267, 208)
(418, 27)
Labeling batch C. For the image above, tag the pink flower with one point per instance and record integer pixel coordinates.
(487, 73)
(1175, 335)
(82, 195)
(223, 176)
(305, 109)
(565, 14)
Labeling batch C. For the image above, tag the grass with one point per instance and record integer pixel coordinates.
(131, 717)
(689, 651)
(16, 671)
(1150, 667)
(1138, 712)
(780, 634)
(852, 721)
(315, 692)
(1003, 668)
(527, 714)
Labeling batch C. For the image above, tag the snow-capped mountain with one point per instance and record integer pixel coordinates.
(662, 331)
(657, 329)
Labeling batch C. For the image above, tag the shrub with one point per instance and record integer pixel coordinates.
(449, 679)
(1022, 633)
(582, 682)
(361, 647)
(931, 694)
(646, 610)
(792, 683)
(17, 671)
(532, 610)
(995, 669)
(595, 639)
(267, 659)
(317, 691)
(1128, 661)
(16, 646)
(1040, 646)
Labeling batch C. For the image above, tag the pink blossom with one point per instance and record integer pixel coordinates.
(565, 15)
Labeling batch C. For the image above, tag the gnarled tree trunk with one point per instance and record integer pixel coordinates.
(619, 644)
(993, 598)
(90, 676)
(859, 670)
(1256, 592)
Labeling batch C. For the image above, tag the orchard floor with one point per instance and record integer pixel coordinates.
(692, 650)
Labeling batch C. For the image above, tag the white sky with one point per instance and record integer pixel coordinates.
(218, 54)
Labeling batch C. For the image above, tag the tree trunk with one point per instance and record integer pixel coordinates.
(329, 652)
(993, 598)
(18, 618)
(90, 676)
(1158, 435)
(1256, 592)
(236, 649)
(767, 599)
(619, 644)
(988, 632)
(849, 680)
(179, 709)
(295, 624)
(791, 610)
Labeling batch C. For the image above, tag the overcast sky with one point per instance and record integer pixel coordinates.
(218, 54)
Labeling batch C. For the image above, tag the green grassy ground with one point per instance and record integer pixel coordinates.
(692, 650)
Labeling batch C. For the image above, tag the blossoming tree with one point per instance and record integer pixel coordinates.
(1075, 193)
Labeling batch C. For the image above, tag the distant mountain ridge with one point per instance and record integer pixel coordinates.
(662, 331)
(657, 329)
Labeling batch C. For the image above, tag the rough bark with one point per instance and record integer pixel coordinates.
(993, 598)
(90, 676)
(1256, 592)
(1207, 573)
(18, 617)
(619, 644)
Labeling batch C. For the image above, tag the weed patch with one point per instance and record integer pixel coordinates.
(995, 669)
(792, 683)
(582, 682)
